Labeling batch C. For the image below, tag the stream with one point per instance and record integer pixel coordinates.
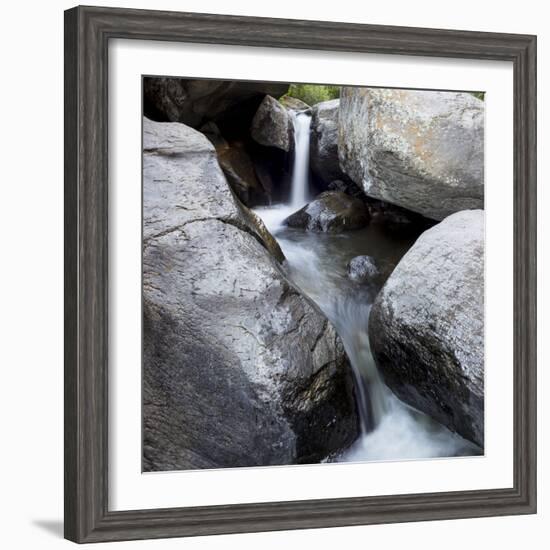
(317, 263)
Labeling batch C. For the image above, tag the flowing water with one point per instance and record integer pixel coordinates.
(316, 263)
(299, 190)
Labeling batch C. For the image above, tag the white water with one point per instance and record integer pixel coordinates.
(390, 430)
(299, 189)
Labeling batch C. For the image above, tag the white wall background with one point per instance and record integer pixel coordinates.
(31, 273)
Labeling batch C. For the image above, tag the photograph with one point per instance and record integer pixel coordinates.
(274, 275)
(312, 274)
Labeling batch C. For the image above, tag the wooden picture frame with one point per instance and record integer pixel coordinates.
(87, 34)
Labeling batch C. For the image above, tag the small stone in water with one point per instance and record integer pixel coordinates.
(362, 268)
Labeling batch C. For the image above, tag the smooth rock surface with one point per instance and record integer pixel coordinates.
(426, 326)
(332, 212)
(422, 150)
(272, 125)
(194, 102)
(240, 369)
(324, 159)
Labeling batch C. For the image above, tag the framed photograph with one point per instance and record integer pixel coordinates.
(300, 274)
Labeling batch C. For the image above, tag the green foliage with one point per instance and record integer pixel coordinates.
(313, 93)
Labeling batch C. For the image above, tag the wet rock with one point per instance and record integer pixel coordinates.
(195, 102)
(256, 225)
(362, 269)
(240, 369)
(331, 212)
(324, 159)
(272, 125)
(426, 325)
(421, 150)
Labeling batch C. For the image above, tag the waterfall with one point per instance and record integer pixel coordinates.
(300, 174)
(349, 312)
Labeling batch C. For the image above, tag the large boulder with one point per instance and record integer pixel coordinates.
(426, 325)
(422, 150)
(272, 125)
(323, 146)
(330, 212)
(195, 102)
(240, 369)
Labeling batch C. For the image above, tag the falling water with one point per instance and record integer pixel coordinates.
(299, 189)
(316, 262)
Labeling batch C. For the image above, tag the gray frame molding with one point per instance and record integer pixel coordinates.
(87, 34)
